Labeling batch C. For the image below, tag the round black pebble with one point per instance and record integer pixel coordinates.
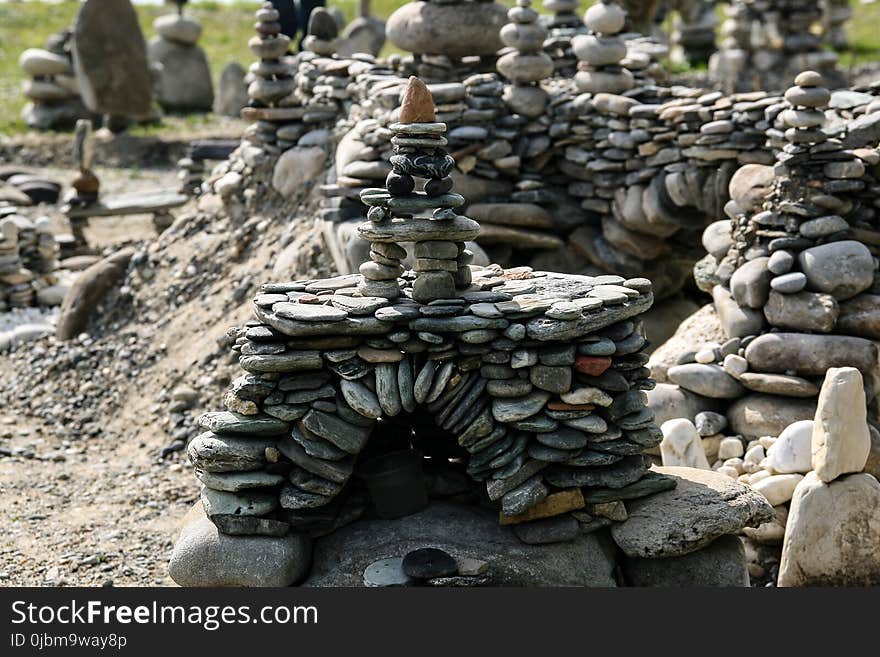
(436, 186)
(427, 563)
(399, 183)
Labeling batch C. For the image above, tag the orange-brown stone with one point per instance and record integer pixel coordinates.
(418, 103)
(553, 505)
(562, 406)
(592, 365)
(86, 183)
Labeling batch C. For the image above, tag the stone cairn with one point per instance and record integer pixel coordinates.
(28, 255)
(561, 27)
(528, 382)
(441, 260)
(693, 31)
(766, 42)
(837, 13)
(52, 89)
(527, 65)
(86, 186)
(796, 288)
(184, 76)
(272, 80)
(600, 52)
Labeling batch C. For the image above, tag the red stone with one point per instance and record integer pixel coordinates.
(592, 365)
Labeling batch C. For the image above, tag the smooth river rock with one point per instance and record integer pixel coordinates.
(809, 355)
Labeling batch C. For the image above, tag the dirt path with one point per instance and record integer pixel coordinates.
(85, 496)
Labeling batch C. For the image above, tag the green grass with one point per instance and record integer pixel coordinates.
(227, 28)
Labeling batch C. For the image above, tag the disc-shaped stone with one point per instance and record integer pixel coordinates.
(427, 563)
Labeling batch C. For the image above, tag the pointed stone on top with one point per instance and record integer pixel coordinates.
(418, 103)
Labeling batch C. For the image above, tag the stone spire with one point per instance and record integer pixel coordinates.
(273, 79)
(601, 51)
(527, 64)
(441, 259)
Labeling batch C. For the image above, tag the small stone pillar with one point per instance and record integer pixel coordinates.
(273, 79)
(601, 51)
(441, 259)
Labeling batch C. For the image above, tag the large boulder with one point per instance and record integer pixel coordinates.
(454, 30)
(464, 532)
(205, 557)
(703, 506)
(721, 563)
(832, 537)
(110, 59)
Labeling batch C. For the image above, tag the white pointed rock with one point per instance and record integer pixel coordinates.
(841, 442)
(682, 445)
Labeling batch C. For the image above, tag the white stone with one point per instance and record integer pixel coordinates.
(682, 445)
(841, 442)
(770, 533)
(735, 365)
(755, 477)
(736, 464)
(778, 489)
(728, 471)
(228, 185)
(768, 441)
(730, 448)
(605, 19)
(753, 457)
(791, 451)
(706, 354)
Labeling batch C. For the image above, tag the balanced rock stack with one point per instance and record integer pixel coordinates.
(564, 21)
(321, 33)
(795, 292)
(184, 75)
(272, 77)
(766, 42)
(28, 255)
(527, 382)
(322, 79)
(527, 64)
(600, 52)
(561, 27)
(838, 12)
(441, 259)
(52, 90)
(16, 290)
(693, 32)
(86, 185)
